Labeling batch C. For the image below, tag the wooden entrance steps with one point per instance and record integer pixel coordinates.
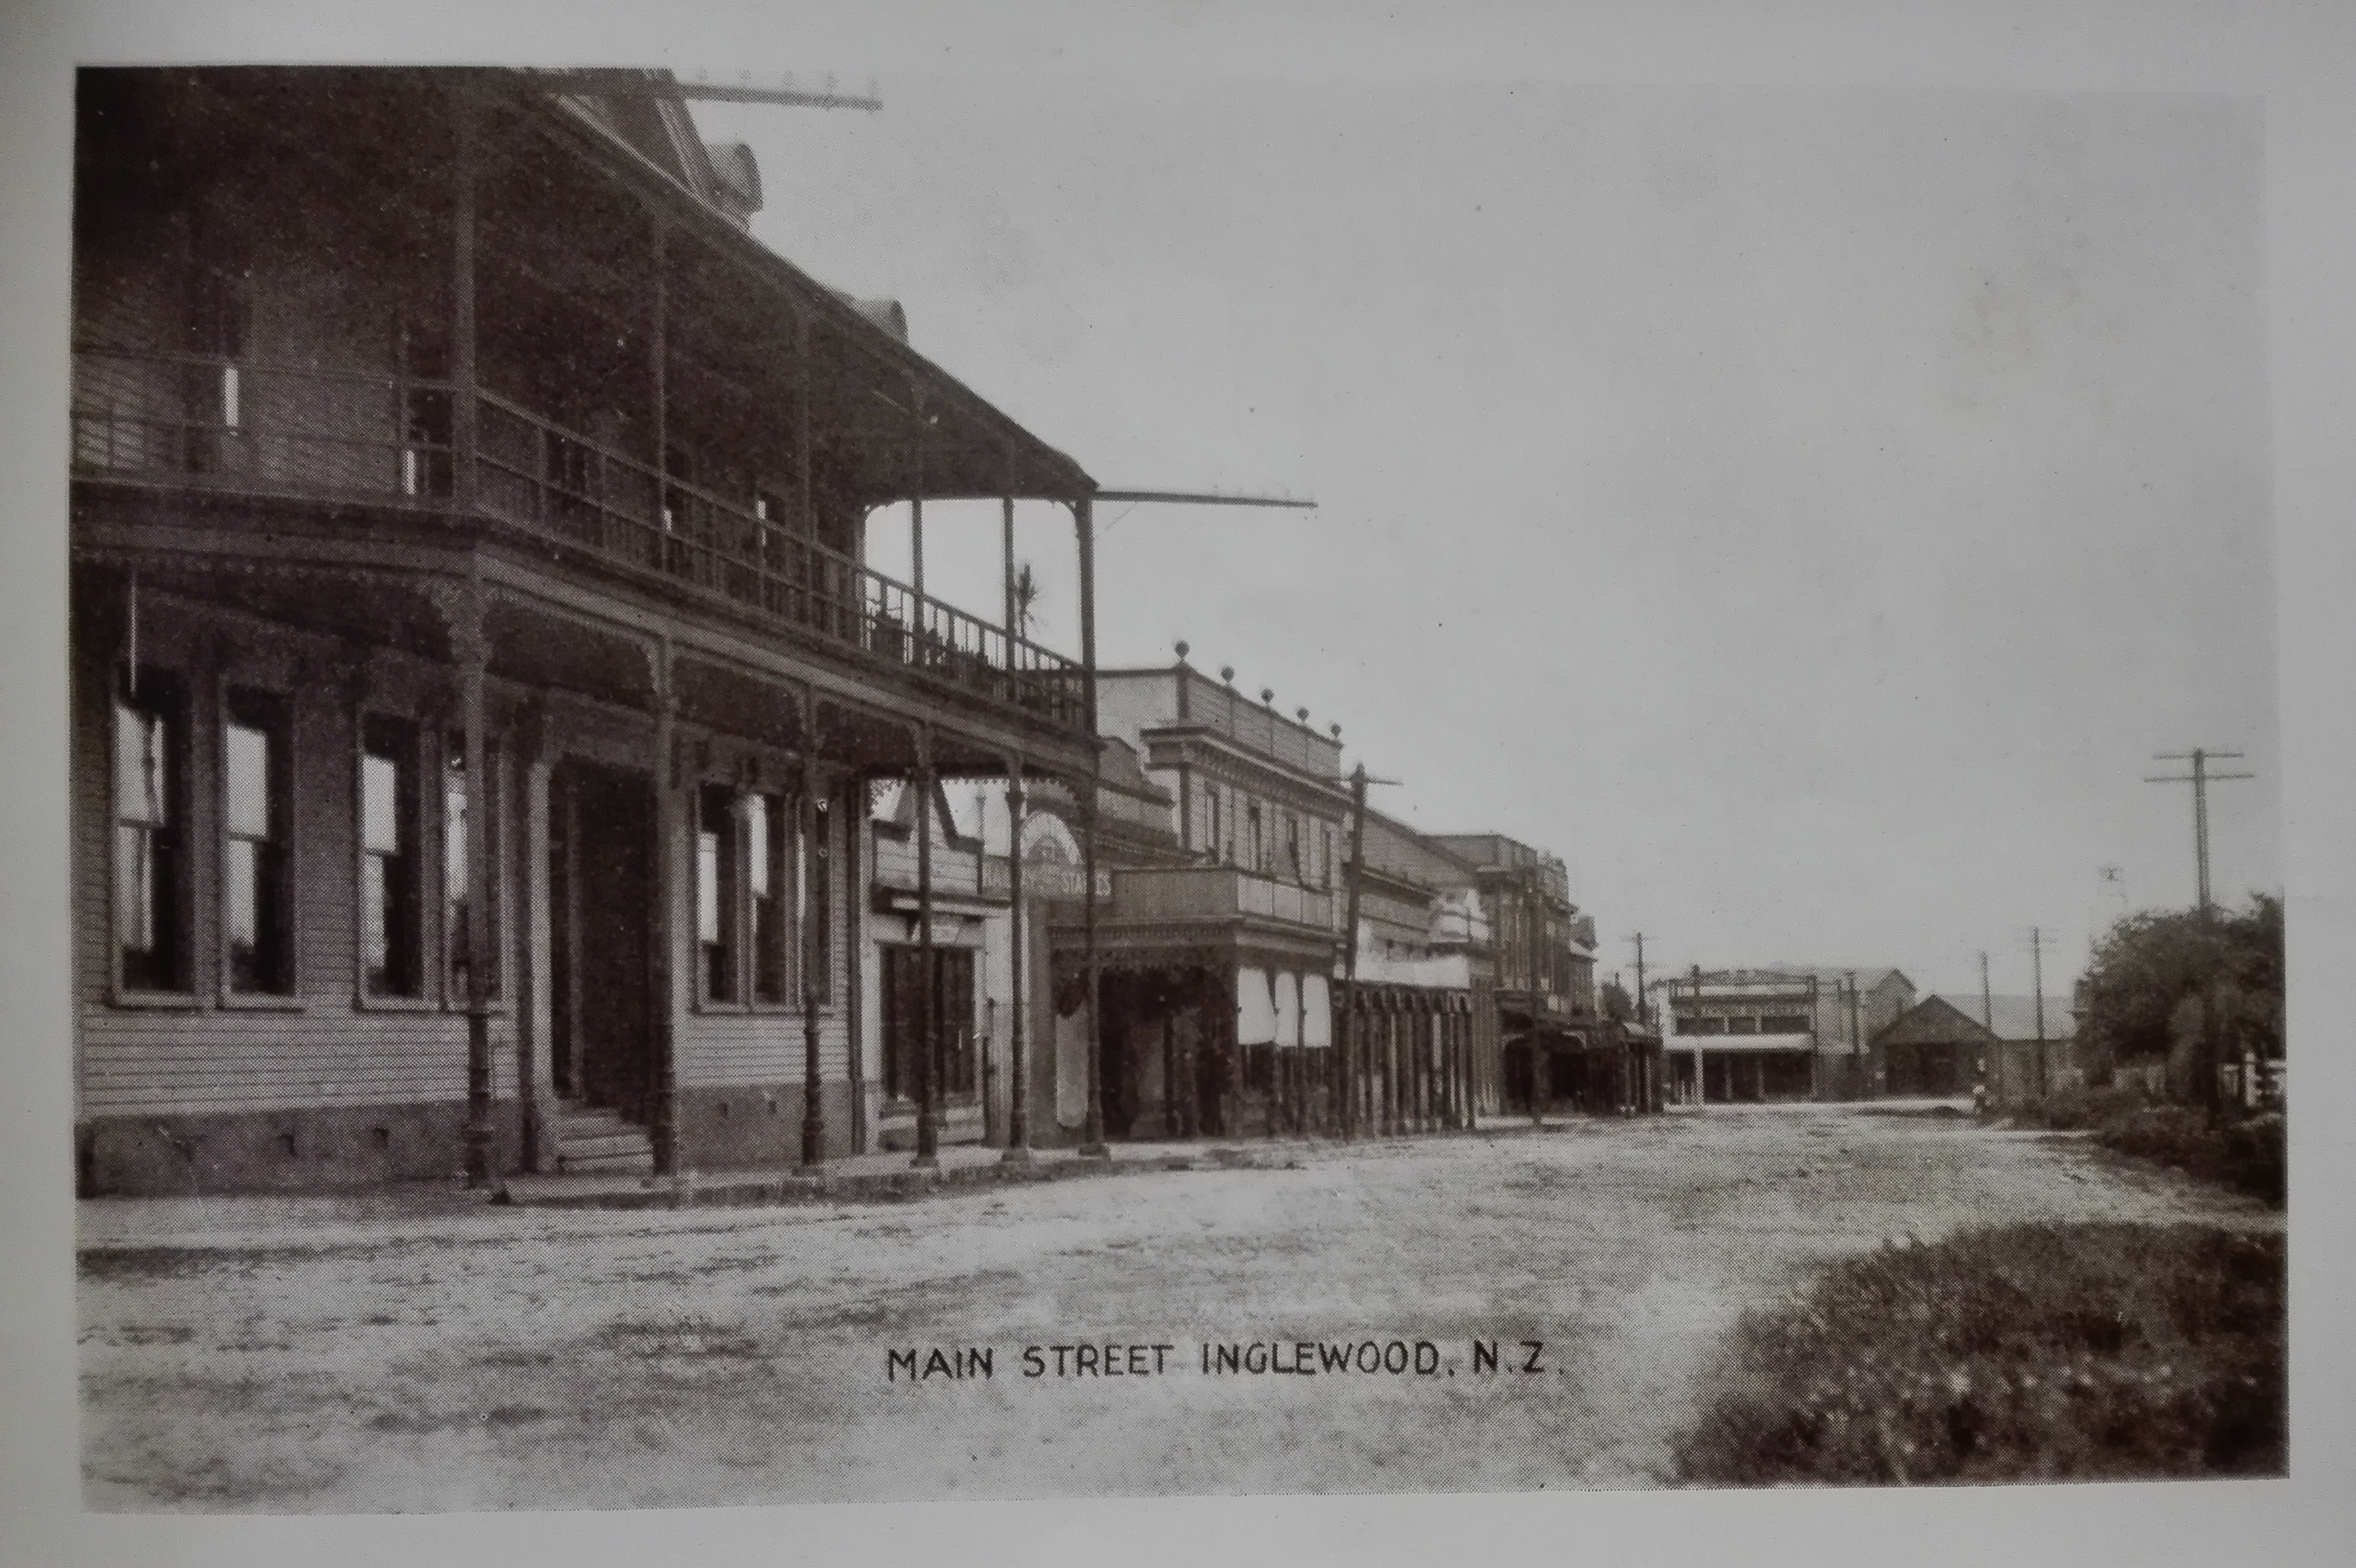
(591, 1138)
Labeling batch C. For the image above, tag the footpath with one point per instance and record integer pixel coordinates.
(247, 1219)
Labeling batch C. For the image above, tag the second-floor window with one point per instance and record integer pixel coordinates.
(216, 331)
(427, 412)
(255, 896)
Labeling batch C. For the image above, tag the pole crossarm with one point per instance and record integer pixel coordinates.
(2199, 778)
(1205, 499)
(639, 82)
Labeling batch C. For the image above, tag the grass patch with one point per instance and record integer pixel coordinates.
(2245, 1153)
(2019, 1352)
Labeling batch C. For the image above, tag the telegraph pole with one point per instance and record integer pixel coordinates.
(2199, 778)
(1357, 779)
(1349, 1009)
(1987, 1002)
(1639, 940)
(1857, 1043)
(1701, 1090)
(2037, 968)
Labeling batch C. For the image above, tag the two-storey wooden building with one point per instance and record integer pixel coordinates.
(477, 679)
(1556, 1049)
(1790, 1032)
(1423, 998)
(1219, 939)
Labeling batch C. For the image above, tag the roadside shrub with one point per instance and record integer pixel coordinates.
(2021, 1352)
(2247, 1154)
(2078, 1109)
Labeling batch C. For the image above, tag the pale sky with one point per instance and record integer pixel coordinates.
(1804, 510)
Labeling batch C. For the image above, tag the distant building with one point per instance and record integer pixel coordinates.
(1790, 1032)
(1221, 935)
(1556, 1049)
(1946, 1045)
(1427, 984)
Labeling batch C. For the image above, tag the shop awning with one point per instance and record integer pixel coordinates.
(1316, 1011)
(1255, 1009)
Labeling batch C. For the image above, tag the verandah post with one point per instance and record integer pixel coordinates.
(1018, 1117)
(812, 942)
(1083, 528)
(470, 645)
(463, 372)
(672, 964)
(928, 1132)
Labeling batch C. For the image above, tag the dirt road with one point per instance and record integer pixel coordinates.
(367, 1359)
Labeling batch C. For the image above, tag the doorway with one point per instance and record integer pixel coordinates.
(601, 937)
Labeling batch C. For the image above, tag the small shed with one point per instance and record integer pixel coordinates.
(1946, 1045)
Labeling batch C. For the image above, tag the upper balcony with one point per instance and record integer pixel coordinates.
(463, 297)
(213, 424)
(1134, 703)
(1218, 893)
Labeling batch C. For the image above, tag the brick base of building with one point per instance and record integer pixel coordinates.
(322, 1148)
(276, 1151)
(758, 1124)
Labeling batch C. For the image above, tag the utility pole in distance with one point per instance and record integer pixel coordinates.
(1639, 940)
(2037, 969)
(1857, 1043)
(1349, 1009)
(1348, 1045)
(2199, 778)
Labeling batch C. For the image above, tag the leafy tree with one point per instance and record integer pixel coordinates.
(1618, 1005)
(2161, 972)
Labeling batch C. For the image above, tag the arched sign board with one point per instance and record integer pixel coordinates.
(1051, 860)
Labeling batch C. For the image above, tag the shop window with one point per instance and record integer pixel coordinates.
(818, 901)
(257, 913)
(391, 933)
(150, 862)
(459, 902)
(770, 875)
(951, 1013)
(715, 892)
